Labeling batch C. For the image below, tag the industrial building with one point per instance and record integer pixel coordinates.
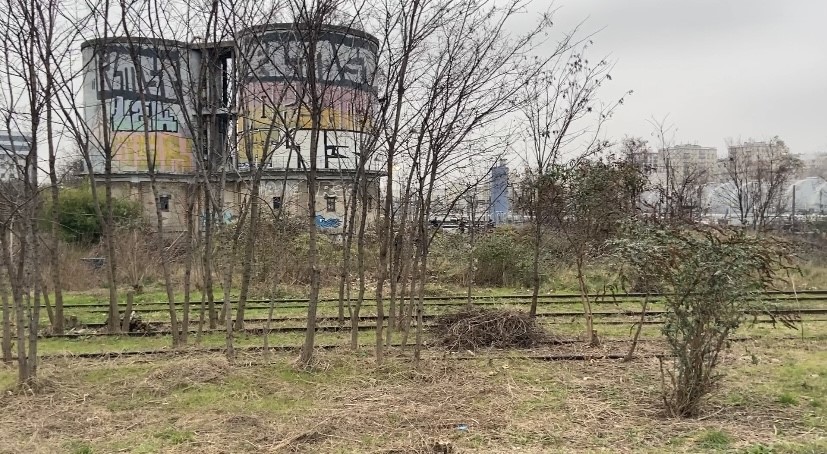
(222, 111)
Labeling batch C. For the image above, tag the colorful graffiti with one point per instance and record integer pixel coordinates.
(327, 223)
(157, 124)
(275, 97)
(342, 58)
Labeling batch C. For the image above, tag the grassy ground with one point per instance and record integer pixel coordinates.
(773, 401)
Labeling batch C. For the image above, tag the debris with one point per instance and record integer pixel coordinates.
(472, 328)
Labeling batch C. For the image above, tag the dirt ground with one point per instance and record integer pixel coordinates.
(772, 401)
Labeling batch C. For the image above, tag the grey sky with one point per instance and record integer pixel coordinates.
(720, 68)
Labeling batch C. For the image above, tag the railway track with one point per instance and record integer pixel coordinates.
(368, 322)
(449, 300)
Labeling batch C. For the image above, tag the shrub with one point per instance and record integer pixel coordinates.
(78, 220)
(711, 279)
(503, 259)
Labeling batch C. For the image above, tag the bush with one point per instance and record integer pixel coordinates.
(711, 279)
(503, 259)
(472, 328)
(78, 220)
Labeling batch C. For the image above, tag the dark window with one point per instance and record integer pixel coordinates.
(163, 202)
(370, 203)
(276, 203)
(331, 204)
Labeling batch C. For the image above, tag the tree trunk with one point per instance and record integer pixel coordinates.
(207, 263)
(109, 242)
(6, 345)
(228, 321)
(587, 307)
(188, 258)
(630, 355)
(49, 312)
(360, 270)
(267, 328)
(535, 267)
(127, 314)
(247, 268)
(312, 245)
(58, 317)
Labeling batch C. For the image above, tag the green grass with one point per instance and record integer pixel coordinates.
(175, 436)
(787, 399)
(714, 439)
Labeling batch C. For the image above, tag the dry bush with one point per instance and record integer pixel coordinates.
(472, 328)
(77, 274)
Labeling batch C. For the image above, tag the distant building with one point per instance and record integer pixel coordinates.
(646, 161)
(815, 165)
(499, 194)
(14, 148)
(685, 161)
(758, 150)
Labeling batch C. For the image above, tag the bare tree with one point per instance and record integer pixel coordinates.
(757, 175)
(563, 118)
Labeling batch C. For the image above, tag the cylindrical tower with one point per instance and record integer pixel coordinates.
(275, 94)
(114, 69)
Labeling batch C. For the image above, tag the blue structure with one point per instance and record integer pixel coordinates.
(499, 193)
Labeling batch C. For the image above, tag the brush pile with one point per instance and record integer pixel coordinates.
(473, 328)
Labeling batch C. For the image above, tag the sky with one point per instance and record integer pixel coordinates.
(715, 69)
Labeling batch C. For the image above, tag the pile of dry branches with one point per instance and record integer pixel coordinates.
(473, 328)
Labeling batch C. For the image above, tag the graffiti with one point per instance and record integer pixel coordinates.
(341, 59)
(120, 87)
(327, 223)
(127, 116)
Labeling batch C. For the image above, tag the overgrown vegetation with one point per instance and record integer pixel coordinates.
(78, 219)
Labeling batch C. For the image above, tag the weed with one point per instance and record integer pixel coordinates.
(714, 439)
(175, 436)
(79, 447)
(787, 399)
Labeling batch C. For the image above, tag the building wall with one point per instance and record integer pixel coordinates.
(688, 161)
(331, 199)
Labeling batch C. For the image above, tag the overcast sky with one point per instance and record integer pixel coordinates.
(719, 68)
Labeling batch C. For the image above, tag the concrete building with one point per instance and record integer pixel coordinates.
(14, 148)
(758, 151)
(647, 161)
(681, 162)
(814, 165)
(223, 111)
(499, 194)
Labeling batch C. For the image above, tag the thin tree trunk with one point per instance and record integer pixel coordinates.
(57, 318)
(267, 328)
(535, 267)
(228, 321)
(127, 314)
(630, 355)
(247, 268)
(360, 270)
(109, 242)
(587, 307)
(49, 312)
(6, 345)
(207, 263)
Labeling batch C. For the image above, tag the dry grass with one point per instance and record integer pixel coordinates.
(494, 402)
